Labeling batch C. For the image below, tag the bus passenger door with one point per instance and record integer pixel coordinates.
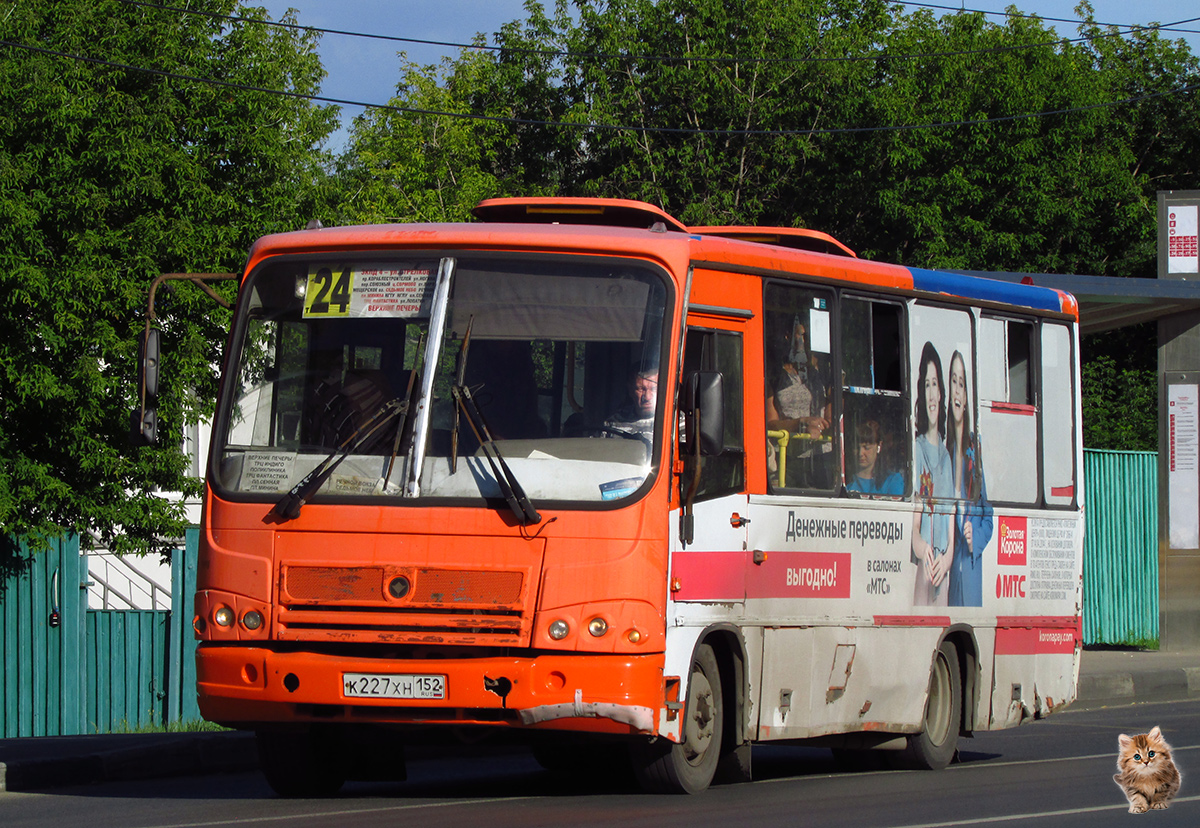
(708, 567)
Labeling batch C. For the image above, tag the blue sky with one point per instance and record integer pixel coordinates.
(367, 70)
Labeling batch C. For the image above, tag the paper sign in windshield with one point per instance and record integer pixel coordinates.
(267, 471)
(371, 291)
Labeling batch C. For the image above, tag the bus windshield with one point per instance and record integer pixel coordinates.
(408, 376)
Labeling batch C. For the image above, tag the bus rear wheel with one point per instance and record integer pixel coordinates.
(301, 763)
(688, 767)
(933, 748)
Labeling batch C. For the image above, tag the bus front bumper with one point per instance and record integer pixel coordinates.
(244, 686)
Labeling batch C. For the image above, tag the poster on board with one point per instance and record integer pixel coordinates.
(1183, 254)
(1183, 461)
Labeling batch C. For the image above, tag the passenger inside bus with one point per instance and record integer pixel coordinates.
(799, 404)
(875, 475)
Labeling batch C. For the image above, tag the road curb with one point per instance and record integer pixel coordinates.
(188, 755)
(1151, 685)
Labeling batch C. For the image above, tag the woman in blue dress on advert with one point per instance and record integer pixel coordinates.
(973, 522)
(932, 536)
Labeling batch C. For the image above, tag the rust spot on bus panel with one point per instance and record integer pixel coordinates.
(839, 673)
(890, 727)
(318, 583)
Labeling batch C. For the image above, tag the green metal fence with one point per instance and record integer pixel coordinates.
(43, 606)
(182, 704)
(126, 669)
(1120, 548)
(71, 670)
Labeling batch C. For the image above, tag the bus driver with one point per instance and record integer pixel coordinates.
(636, 414)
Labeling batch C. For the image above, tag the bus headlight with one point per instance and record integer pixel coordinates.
(223, 617)
(597, 626)
(252, 620)
(559, 629)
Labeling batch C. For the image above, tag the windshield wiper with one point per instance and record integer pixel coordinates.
(514, 495)
(290, 504)
(459, 382)
(510, 487)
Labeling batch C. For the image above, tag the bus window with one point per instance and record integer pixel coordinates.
(325, 368)
(1020, 385)
(1007, 415)
(1058, 404)
(877, 458)
(314, 383)
(872, 348)
(710, 350)
(799, 404)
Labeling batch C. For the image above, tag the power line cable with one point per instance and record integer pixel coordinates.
(594, 126)
(1164, 27)
(559, 53)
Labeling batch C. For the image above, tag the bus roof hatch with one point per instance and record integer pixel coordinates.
(797, 238)
(609, 212)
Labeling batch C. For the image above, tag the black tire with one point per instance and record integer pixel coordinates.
(300, 763)
(688, 767)
(934, 747)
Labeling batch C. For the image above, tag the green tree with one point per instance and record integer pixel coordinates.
(417, 165)
(937, 141)
(115, 165)
(748, 79)
(1120, 406)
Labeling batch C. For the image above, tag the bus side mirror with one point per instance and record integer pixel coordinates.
(143, 425)
(148, 364)
(702, 402)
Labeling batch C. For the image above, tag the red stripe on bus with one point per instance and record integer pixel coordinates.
(1037, 634)
(708, 576)
(1013, 408)
(1062, 491)
(1074, 621)
(733, 576)
(912, 621)
(1035, 640)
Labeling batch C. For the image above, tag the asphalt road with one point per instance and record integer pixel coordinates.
(1052, 773)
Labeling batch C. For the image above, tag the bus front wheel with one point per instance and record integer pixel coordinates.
(933, 748)
(688, 767)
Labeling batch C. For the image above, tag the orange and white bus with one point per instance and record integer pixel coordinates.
(581, 475)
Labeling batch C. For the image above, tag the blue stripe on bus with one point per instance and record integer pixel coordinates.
(993, 290)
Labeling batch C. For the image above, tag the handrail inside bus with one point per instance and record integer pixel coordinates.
(782, 438)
